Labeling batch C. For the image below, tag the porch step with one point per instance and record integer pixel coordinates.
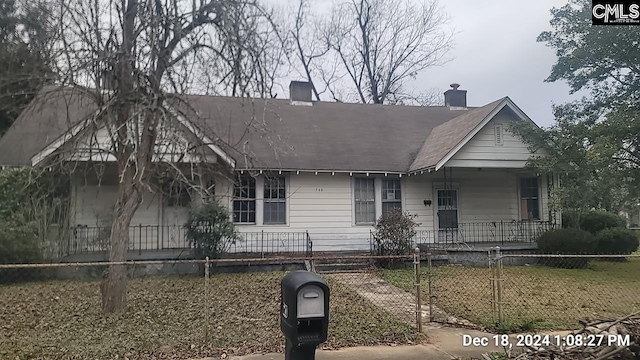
(323, 266)
(356, 271)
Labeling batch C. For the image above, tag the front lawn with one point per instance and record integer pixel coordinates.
(535, 297)
(166, 319)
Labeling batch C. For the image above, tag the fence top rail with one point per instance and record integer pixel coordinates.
(568, 256)
(211, 261)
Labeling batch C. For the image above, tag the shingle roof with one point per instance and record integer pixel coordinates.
(325, 136)
(53, 112)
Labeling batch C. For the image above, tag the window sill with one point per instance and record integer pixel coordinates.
(365, 224)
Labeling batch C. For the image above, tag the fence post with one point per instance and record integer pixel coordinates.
(206, 300)
(492, 283)
(140, 241)
(500, 286)
(497, 286)
(262, 244)
(431, 295)
(416, 263)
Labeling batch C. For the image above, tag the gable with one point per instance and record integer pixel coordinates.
(494, 145)
(172, 145)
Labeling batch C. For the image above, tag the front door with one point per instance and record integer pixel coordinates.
(447, 215)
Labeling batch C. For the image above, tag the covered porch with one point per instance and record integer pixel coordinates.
(480, 207)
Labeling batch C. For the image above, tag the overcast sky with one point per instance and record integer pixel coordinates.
(496, 55)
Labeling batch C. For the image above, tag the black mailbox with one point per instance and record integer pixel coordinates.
(304, 313)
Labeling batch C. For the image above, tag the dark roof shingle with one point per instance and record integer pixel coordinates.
(279, 135)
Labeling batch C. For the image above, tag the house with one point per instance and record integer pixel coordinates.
(320, 173)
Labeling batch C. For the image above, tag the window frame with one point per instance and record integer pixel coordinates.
(529, 198)
(248, 200)
(383, 198)
(356, 201)
(266, 184)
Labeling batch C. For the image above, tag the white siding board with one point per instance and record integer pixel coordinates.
(482, 147)
(417, 189)
(320, 204)
(484, 196)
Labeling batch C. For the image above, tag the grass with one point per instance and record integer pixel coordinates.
(165, 319)
(535, 297)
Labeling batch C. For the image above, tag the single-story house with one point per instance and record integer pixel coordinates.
(322, 172)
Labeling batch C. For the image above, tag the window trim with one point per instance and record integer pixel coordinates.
(376, 202)
(519, 197)
(254, 199)
(285, 200)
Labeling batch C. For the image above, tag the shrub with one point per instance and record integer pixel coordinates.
(617, 241)
(592, 221)
(567, 241)
(19, 245)
(393, 233)
(210, 231)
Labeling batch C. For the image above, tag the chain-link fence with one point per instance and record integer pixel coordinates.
(525, 292)
(193, 308)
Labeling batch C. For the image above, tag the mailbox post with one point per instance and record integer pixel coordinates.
(304, 314)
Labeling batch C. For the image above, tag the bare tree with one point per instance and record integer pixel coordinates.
(127, 56)
(381, 44)
(308, 47)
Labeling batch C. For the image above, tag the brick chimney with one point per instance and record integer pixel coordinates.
(300, 92)
(455, 98)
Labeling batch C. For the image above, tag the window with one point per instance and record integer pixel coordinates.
(365, 201)
(529, 204)
(391, 198)
(244, 202)
(499, 134)
(275, 202)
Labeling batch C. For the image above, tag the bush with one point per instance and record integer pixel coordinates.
(592, 221)
(617, 241)
(210, 231)
(19, 245)
(393, 233)
(567, 241)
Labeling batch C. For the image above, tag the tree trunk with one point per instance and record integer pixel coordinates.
(114, 284)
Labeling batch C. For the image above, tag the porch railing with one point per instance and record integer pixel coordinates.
(145, 238)
(496, 233)
(485, 233)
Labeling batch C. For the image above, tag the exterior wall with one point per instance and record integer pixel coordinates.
(482, 150)
(95, 203)
(322, 205)
(92, 209)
